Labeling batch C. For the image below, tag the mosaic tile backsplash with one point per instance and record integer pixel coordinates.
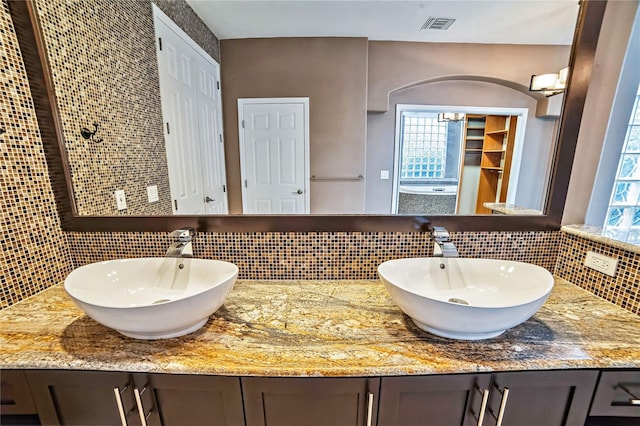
(330, 255)
(103, 59)
(622, 290)
(33, 253)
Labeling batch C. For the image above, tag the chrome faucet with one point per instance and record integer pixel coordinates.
(182, 247)
(442, 244)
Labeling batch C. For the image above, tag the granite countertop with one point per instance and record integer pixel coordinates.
(597, 234)
(511, 209)
(320, 328)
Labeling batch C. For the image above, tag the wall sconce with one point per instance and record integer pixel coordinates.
(450, 116)
(88, 134)
(549, 84)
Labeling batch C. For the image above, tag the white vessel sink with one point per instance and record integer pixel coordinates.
(152, 298)
(468, 299)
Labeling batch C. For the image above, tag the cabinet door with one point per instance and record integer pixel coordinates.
(181, 400)
(618, 394)
(310, 401)
(541, 397)
(83, 398)
(432, 400)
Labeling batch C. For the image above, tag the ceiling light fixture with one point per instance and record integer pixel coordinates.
(550, 84)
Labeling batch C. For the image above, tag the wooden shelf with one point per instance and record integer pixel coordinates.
(475, 138)
(479, 150)
(494, 151)
(497, 132)
(499, 169)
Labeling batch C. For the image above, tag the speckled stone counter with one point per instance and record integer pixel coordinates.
(320, 328)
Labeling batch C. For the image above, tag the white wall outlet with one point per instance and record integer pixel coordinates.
(605, 264)
(152, 193)
(121, 200)
(384, 174)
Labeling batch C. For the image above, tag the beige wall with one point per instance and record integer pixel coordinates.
(537, 146)
(397, 65)
(331, 72)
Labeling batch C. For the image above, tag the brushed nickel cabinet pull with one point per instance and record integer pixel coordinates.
(137, 393)
(634, 400)
(483, 406)
(503, 406)
(123, 418)
(369, 408)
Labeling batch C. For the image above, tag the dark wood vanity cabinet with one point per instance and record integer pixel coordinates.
(432, 400)
(547, 398)
(189, 400)
(541, 397)
(514, 398)
(82, 398)
(617, 399)
(109, 398)
(310, 401)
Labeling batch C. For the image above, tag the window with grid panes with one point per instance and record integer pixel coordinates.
(623, 215)
(424, 146)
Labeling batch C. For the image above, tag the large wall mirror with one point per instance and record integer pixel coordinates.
(345, 115)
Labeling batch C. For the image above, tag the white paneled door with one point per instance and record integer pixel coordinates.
(274, 155)
(192, 115)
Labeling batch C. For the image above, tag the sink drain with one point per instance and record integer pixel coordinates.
(458, 301)
(160, 301)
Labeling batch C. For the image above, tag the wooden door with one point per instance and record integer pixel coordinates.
(550, 398)
(274, 156)
(432, 400)
(192, 115)
(189, 400)
(310, 401)
(83, 398)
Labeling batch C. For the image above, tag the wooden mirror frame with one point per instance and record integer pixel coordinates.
(28, 30)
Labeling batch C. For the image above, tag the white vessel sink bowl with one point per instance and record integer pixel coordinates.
(152, 298)
(468, 299)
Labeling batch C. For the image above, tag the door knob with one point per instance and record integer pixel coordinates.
(208, 200)
(299, 191)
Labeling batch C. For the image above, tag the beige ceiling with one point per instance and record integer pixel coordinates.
(477, 21)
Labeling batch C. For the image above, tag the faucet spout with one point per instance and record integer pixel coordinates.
(442, 244)
(183, 246)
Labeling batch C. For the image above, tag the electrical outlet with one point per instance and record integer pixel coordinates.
(605, 264)
(152, 193)
(121, 200)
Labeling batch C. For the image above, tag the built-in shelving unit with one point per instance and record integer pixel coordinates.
(485, 170)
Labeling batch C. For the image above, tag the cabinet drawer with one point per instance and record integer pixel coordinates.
(617, 394)
(16, 397)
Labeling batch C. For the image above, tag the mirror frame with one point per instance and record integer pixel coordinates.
(30, 40)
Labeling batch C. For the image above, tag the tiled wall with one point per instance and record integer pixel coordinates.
(623, 289)
(316, 255)
(33, 254)
(104, 64)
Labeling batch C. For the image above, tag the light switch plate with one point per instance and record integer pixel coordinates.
(601, 263)
(152, 193)
(384, 174)
(121, 200)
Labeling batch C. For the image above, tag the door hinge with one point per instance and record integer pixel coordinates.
(175, 204)
(168, 132)
(218, 83)
(245, 183)
(224, 188)
(220, 138)
(243, 124)
(160, 42)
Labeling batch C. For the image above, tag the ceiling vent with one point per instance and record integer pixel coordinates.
(437, 23)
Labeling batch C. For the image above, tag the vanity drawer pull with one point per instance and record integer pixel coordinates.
(123, 417)
(369, 408)
(634, 400)
(483, 406)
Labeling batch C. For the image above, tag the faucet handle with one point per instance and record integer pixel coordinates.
(183, 235)
(440, 232)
